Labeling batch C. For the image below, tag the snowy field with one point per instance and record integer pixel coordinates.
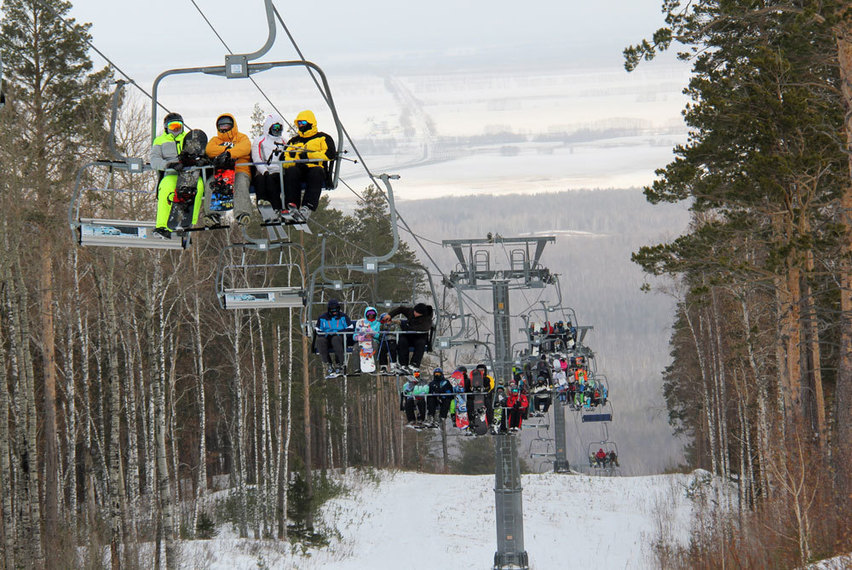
(408, 520)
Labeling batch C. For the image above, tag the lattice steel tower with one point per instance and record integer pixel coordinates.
(475, 272)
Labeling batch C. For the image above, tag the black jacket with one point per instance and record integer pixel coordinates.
(423, 323)
(440, 385)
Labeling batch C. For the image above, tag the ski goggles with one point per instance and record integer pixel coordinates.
(371, 315)
(174, 125)
(276, 129)
(302, 123)
(224, 126)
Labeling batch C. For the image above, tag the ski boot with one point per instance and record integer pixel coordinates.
(163, 233)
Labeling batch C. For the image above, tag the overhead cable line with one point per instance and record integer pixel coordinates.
(103, 55)
(254, 82)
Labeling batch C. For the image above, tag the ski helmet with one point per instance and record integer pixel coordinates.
(172, 118)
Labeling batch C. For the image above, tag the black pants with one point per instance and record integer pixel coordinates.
(515, 417)
(267, 186)
(387, 348)
(418, 341)
(412, 404)
(313, 178)
(335, 341)
(542, 403)
(435, 403)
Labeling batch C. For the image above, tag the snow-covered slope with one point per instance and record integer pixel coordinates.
(414, 520)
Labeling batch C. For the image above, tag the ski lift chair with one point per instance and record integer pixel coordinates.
(110, 231)
(251, 283)
(606, 466)
(602, 415)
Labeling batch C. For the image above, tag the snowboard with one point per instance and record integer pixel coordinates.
(461, 407)
(459, 400)
(222, 190)
(480, 415)
(499, 402)
(183, 200)
(368, 362)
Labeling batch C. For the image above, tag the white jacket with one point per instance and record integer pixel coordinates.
(263, 146)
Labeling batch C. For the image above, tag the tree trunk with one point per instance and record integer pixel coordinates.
(166, 518)
(51, 452)
(239, 436)
(5, 466)
(116, 478)
(201, 487)
(843, 392)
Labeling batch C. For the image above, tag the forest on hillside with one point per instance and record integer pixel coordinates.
(761, 375)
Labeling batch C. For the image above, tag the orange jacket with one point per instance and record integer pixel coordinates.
(234, 141)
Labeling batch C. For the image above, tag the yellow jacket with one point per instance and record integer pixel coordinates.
(311, 143)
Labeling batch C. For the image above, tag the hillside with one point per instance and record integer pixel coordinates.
(413, 520)
(596, 233)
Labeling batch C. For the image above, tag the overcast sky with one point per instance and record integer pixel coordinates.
(144, 38)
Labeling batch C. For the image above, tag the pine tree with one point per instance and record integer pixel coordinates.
(58, 105)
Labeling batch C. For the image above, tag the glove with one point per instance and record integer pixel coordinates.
(175, 165)
(222, 159)
(302, 155)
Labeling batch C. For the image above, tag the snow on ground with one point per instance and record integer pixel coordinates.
(415, 520)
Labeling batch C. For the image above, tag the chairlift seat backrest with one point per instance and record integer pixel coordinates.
(263, 297)
(126, 233)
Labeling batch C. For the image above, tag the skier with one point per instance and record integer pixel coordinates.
(309, 144)
(600, 458)
(612, 458)
(440, 397)
(413, 400)
(165, 158)
(266, 154)
(331, 328)
(415, 334)
(516, 405)
(230, 149)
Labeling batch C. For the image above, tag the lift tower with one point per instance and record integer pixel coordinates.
(475, 272)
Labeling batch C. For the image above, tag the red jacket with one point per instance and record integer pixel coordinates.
(517, 398)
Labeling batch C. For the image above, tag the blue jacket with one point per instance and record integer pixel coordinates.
(332, 325)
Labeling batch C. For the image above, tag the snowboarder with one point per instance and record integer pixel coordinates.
(612, 458)
(309, 145)
(266, 153)
(367, 334)
(541, 397)
(516, 405)
(331, 328)
(413, 400)
(230, 149)
(440, 397)
(165, 158)
(387, 343)
(415, 334)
